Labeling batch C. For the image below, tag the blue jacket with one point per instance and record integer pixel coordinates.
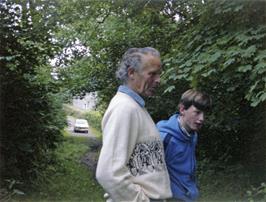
(180, 158)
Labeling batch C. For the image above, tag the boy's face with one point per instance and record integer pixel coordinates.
(192, 118)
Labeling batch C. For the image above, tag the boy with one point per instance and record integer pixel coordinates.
(179, 135)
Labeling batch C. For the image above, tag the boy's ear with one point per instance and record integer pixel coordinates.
(181, 109)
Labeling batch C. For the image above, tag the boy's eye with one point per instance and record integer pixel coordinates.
(198, 112)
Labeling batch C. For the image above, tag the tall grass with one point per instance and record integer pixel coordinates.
(67, 179)
(224, 183)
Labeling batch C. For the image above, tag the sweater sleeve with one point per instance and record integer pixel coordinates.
(120, 133)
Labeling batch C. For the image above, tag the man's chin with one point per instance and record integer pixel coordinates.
(151, 92)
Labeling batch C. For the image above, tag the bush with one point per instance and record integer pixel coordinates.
(229, 183)
(94, 118)
(72, 111)
(257, 193)
(31, 111)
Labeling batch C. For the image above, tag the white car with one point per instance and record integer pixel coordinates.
(81, 125)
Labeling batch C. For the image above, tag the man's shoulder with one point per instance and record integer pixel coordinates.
(123, 100)
(123, 105)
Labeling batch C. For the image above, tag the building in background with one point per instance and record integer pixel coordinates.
(88, 102)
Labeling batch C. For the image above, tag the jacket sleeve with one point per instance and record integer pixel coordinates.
(120, 132)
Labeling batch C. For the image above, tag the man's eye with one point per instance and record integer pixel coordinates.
(156, 73)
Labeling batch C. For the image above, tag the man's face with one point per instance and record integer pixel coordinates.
(192, 118)
(146, 80)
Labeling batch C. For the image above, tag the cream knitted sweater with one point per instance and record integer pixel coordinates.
(131, 165)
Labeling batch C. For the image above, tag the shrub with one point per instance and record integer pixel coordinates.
(94, 118)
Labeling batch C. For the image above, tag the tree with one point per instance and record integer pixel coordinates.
(224, 54)
(218, 47)
(31, 114)
(108, 28)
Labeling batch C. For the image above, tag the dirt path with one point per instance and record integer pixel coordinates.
(70, 128)
(91, 157)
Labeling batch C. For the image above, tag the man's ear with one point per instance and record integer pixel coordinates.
(130, 72)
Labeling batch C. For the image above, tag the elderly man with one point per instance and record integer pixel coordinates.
(131, 165)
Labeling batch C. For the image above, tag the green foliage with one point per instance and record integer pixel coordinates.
(215, 46)
(94, 118)
(229, 183)
(223, 54)
(229, 53)
(257, 193)
(72, 111)
(11, 190)
(66, 178)
(107, 34)
(31, 110)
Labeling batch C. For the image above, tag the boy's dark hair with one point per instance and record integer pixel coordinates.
(200, 100)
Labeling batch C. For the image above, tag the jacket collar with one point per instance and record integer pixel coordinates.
(125, 89)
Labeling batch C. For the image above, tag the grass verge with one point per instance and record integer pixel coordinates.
(67, 180)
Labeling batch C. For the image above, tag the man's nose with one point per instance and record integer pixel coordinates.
(158, 79)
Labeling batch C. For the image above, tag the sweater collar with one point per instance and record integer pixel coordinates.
(172, 127)
(125, 89)
(183, 129)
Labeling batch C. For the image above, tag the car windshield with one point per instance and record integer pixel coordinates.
(79, 121)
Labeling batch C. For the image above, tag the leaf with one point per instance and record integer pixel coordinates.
(209, 73)
(260, 68)
(261, 55)
(244, 68)
(242, 39)
(263, 96)
(231, 89)
(215, 57)
(238, 8)
(223, 41)
(169, 89)
(26, 147)
(253, 86)
(198, 68)
(249, 52)
(172, 77)
(198, 48)
(188, 63)
(228, 63)
(182, 76)
(255, 103)
(18, 192)
(11, 184)
(7, 58)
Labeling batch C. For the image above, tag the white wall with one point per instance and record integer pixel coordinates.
(87, 103)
